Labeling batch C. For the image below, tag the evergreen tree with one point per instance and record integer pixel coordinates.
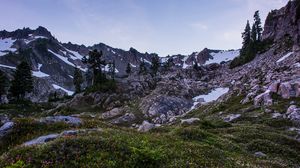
(4, 83)
(258, 26)
(195, 66)
(168, 64)
(246, 35)
(112, 70)
(77, 80)
(143, 69)
(22, 82)
(95, 62)
(128, 69)
(154, 65)
(254, 33)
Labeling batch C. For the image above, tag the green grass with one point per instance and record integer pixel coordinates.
(211, 142)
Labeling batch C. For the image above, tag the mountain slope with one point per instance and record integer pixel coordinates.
(53, 62)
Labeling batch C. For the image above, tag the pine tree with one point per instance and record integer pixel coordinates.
(22, 82)
(168, 64)
(112, 70)
(4, 83)
(77, 80)
(258, 26)
(254, 37)
(143, 69)
(128, 69)
(154, 65)
(95, 63)
(246, 35)
(195, 66)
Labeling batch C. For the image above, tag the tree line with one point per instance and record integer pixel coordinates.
(252, 42)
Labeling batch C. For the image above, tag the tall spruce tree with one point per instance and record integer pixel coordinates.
(4, 84)
(77, 80)
(258, 26)
(95, 63)
(22, 82)
(128, 69)
(154, 65)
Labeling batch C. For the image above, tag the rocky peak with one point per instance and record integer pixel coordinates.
(42, 31)
(283, 25)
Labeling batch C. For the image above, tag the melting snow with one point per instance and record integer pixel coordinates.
(39, 73)
(75, 55)
(222, 56)
(297, 65)
(34, 38)
(212, 96)
(184, 66)
(7, 66)
(134, 66)
(5, 45)
(65, 90)
(65, 59)
(284, 57)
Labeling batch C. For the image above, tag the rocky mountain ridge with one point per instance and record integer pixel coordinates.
(53, 62)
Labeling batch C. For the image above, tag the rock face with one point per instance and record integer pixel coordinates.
(47, 138)
(283, 24)
(41, 140)
(293, 113)
(65, 119)
(6, 128)
(146, 126)
(189, 121)
(162, 108)
(232, 117)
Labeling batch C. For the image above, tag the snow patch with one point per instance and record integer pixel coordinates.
(5, 46)
(7, 66)
(184, 66)
(284, 57)
(221, 56)
(65, 90)
(134, 66)
(297, 65)
(74, 55)
(39, 73)
(212, 96)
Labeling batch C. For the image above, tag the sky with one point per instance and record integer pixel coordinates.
(165, 27)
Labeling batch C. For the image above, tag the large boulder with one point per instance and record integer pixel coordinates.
(66, 119)
(189, 121)
(6, 128)
(293, 113)
(263, 99)
(112, 113)
(161, 108)
(146, 126)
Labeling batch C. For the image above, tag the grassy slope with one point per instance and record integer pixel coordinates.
(208, 143)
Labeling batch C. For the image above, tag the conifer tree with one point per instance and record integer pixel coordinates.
(195, 66)
(143, 69)
(22, 82)
(128, 69)
(95, 63)
(154, 65)
(258, 26)
(4, 83)
(77, 80)
(112, 70)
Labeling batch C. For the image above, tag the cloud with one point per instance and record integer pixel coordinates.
(199, 26)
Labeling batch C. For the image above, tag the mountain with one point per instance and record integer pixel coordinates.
(53, 62)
